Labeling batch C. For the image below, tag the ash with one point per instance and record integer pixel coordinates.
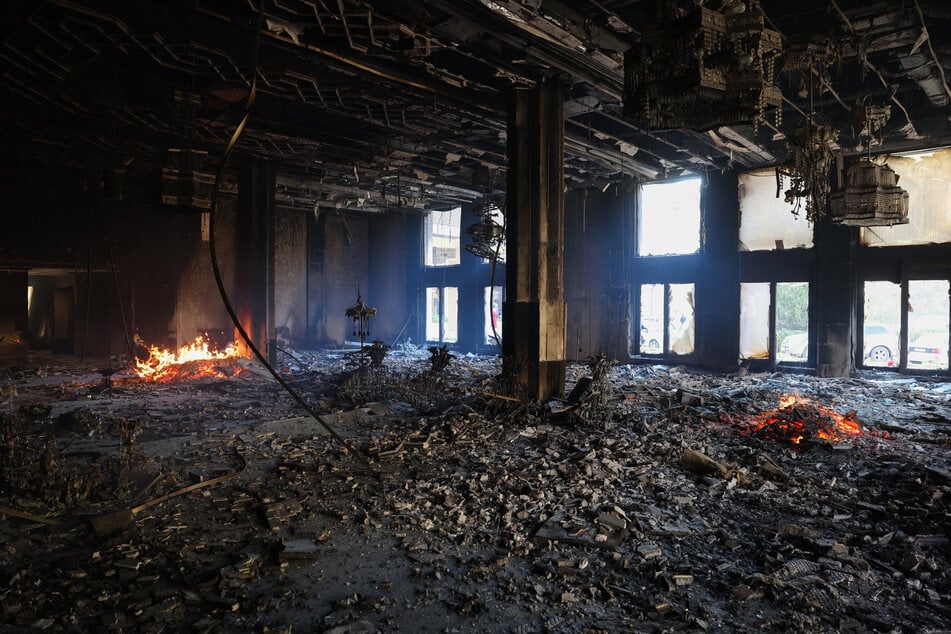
(648, 509)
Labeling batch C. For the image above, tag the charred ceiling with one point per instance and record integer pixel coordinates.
(400, 105)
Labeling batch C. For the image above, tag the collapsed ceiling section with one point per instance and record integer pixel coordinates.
(401, 105)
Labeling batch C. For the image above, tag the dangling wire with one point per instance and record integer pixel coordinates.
(214, 257)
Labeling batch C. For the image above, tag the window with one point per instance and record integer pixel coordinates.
(881, 324)
(669, 220)
(680, 315)
(441, 237)
(671, 304)
(792, 321)
(493, 315)
(928, 325)
(754, 321)
(442, 314)
(767, 222)
(927, 179)
(761, 326)
(651, 340)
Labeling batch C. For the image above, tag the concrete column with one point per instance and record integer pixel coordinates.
(835, 247)
(718, 283)
(254, 270)
(534, 316)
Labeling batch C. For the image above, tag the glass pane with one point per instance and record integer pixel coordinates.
(680, 327)
(882, 323)
(441, 237)
(492, 314)
(928, 325)
(792, 321)
(432, 314)
(767, 222)
(652, 319)
(927, 179)
(450, 315)
(754, 321)
(670, 218)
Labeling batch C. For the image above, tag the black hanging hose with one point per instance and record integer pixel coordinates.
(214, 258)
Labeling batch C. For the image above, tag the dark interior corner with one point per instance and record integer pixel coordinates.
(475, 315)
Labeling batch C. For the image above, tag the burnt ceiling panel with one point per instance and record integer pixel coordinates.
(390, 105)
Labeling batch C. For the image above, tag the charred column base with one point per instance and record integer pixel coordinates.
(536, 334)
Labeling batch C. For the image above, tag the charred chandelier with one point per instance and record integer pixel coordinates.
(811, 148)
(810, 157)
(360, 313)
(871, 196)
(700, 67)
(487, 234)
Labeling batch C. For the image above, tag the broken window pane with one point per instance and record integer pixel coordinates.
(441, 237)
(927, 179)
(492, 314)
(767, 222)
(680, 326)
(652, 319)
(792, 321)
(754, 320)
(881, 324)
(669, 220)
(442, 314)
(432, 314)
(928, 325)
(450, 314)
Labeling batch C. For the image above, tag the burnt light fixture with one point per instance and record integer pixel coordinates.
(871, 197)
(810, 155)
(487, 234)
(710, 66)
(360, 313)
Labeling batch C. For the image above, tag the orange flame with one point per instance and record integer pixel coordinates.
(164, 365)
(782, 423)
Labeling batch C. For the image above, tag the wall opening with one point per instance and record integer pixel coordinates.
(442, 314)
(669, 218)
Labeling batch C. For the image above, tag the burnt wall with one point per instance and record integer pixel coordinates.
(598, 237)
(393, 257)
(198, 308)
(13, 317)
(290, 277)
(107, 267)
(336, 273)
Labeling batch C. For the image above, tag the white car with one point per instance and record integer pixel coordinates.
(881, 344)
(929, 351)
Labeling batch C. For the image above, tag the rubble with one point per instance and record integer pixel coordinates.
(660, 511)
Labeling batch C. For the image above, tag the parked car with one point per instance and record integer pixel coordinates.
(929, 351)
(881, 344)
(795, 345)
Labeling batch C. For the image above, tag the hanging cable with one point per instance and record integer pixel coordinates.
(353, 451)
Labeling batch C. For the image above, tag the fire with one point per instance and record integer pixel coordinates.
(798, 419)
(164, 364)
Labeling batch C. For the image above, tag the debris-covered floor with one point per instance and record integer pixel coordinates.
(650, 504)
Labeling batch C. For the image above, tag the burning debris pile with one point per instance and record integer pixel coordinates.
(801, 422)
(191, 361)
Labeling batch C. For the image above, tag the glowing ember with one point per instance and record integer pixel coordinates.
(798, 420)
(191, 361)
